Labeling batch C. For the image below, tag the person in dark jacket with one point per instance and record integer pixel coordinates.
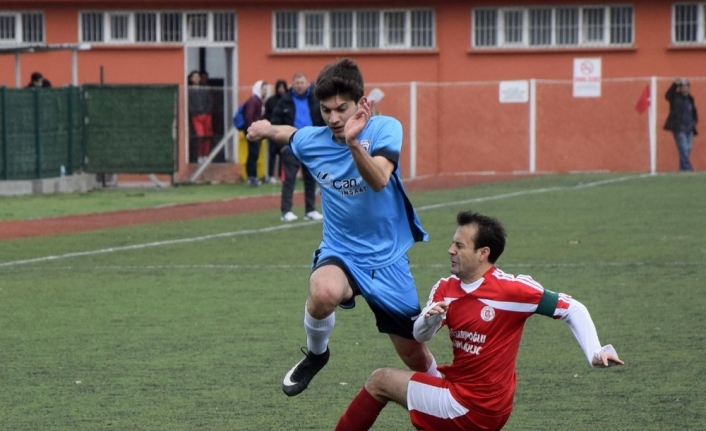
(37, 80)
(299, 108)
(252, 113)
(682, 120)
(273, 168)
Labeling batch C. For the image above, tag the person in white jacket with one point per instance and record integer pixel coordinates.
(485, 310)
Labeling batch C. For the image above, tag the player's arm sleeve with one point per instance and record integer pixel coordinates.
(388, 141)
(426, 327)
(295, 143)
(576, 315)
(581, 324)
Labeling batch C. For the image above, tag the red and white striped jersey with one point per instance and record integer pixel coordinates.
(485, 327)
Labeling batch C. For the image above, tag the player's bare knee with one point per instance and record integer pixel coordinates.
(322, 302)
(376, 382)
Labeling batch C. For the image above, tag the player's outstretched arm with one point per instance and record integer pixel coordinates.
(263, 129)
(584, 330)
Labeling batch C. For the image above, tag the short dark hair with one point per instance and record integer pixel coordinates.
(343, 78)
(490, 233)
(36, 76)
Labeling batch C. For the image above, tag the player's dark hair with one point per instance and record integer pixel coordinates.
(490, 232)
(343, 78)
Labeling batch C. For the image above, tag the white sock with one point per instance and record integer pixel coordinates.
(318, 331)
(432, 371)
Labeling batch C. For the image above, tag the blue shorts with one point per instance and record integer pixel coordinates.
(389, 291)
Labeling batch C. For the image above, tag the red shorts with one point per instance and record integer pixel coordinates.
(432, 407)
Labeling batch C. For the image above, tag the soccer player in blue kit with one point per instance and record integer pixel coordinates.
(369, 223)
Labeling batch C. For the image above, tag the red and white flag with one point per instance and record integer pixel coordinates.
(644, 101)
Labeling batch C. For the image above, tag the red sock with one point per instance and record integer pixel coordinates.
(361, 413)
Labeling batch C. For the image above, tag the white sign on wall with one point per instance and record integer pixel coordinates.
(514, 92)
(587, 77)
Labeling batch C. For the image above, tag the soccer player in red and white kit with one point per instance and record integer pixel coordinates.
(485, 310)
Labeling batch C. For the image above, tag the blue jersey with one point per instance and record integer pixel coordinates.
(372, 229)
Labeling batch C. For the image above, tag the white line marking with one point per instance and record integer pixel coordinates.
(154, 244)
(291, 226)
(533, 192)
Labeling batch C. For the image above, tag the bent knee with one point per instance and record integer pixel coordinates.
(377, 379)
(323, 300)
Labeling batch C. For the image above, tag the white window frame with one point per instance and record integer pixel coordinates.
(700, 24)
(209, 27)
(303, 44)
(582, 41)
(108, 27)
(19, 29)
(183, 17)
(302, 29)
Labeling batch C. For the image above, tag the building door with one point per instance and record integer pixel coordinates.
(216, 65)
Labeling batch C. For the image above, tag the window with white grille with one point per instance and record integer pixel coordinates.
(223, 27)
(341, 30)
(566, 28)
(119, 25)
(688, 23)
(197, 25)
(368, 29)
(355, 29)
(395, 28)
(146, 27)
(314, 29)
(540, 26)
(547, 27)
(156, 27)
(19, 27)
(92, 27)
(514, 28)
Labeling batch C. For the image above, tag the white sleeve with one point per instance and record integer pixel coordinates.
(426, 327)
(581, 324)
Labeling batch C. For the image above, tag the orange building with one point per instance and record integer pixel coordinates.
(439, 63)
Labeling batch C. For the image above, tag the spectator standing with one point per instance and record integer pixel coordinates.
(200, 107)
(485, 310)
(274, 168)
(682, 120)
(252, 113)
(298, 108)
(369, 222)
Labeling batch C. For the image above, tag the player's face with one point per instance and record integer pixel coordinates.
(336, 112)
(465, 259)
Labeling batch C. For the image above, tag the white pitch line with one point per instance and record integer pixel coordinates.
(154, 244)
(290, 226)
(532, 192)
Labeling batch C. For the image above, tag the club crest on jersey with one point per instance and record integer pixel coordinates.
(366, 145)
(487, 313)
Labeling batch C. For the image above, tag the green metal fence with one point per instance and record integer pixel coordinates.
(95, 129)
